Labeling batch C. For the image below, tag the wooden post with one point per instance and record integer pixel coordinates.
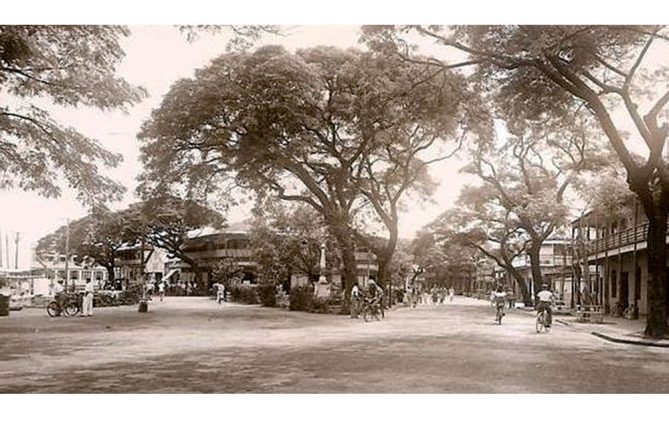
(620, 268)
(635, 254)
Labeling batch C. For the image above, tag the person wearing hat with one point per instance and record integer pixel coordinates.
(546, 297)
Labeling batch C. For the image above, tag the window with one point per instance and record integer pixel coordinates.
(74, 274)
(61, 274)
(86, 274)
(99, 275)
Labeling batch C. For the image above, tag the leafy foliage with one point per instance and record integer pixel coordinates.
(317, 127)
(287, 240)
(539, 72)
(302, 298)
(70, 66)
(267, 295)
(98, 236)
(244, 294)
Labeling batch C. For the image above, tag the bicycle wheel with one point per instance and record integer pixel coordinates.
(540, 322)
(53, 309)
(72, 309)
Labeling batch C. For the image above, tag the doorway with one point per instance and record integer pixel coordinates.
(624, 290)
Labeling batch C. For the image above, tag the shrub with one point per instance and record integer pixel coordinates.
(267, 295)
(320, 305)
(302, 298)
(244, 294)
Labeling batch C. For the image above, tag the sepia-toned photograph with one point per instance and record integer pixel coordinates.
(338, 209)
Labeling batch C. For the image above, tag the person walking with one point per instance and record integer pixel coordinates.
(87, 304)
(161, 290)
(355, 301)
(220, 293)
(451, 293)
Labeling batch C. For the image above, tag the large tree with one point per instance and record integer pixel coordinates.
(286, 240)
(529, 176)
(480, 223)
(167, 222)
(69, 66)
(298, 127)
(610, 71)
(98, 236)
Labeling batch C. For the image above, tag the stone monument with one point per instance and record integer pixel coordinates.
(322, 287)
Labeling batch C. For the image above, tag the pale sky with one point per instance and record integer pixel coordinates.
(157, 56)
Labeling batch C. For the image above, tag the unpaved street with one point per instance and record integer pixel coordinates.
(194, 345)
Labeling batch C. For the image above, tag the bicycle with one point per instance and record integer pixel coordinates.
(617, 310)
(370, 306)
(64, 304)
(499, 313)
(542, 321)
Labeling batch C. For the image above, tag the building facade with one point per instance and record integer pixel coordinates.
(57, 268)
(556, 261)
(613, 248)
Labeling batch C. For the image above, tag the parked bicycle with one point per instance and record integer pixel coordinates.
(66, 304)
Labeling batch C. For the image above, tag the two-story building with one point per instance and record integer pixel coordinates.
(614, 248)
(555, 258)
(73, 272)
(129, 263)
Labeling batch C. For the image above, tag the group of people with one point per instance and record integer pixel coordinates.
(58, 287)
(413, 295)
(373, 295)
(545, 298)
(153, 287)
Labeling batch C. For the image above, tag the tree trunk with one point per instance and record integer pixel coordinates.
(524, 292)
(534, 253)
(656, 325)
(110, 272)
(349, 263)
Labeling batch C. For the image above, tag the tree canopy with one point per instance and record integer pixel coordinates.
(539, 72)
(70, 66)
(304, 127)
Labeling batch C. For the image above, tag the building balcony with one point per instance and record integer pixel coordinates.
(619, 240)
(221, 253)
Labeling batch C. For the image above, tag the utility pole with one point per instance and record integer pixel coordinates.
(7, 249)
(16, 250)
(67, 251)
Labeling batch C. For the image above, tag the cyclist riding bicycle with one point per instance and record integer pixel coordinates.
(546, 297)
(498, 298)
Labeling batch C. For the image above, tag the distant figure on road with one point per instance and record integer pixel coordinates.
(161, 290)
(220, 293)
(379, 296)
(355, 301)
(511, 297)
(499, 298)
(451, 293)
(87, 304)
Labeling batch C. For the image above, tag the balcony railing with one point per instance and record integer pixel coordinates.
(623, 238)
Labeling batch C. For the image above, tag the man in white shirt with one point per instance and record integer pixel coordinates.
(220, 293)
(87, 305)
(161, 290)
(546, 297)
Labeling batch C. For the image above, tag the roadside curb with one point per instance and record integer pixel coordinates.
(630, 341)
